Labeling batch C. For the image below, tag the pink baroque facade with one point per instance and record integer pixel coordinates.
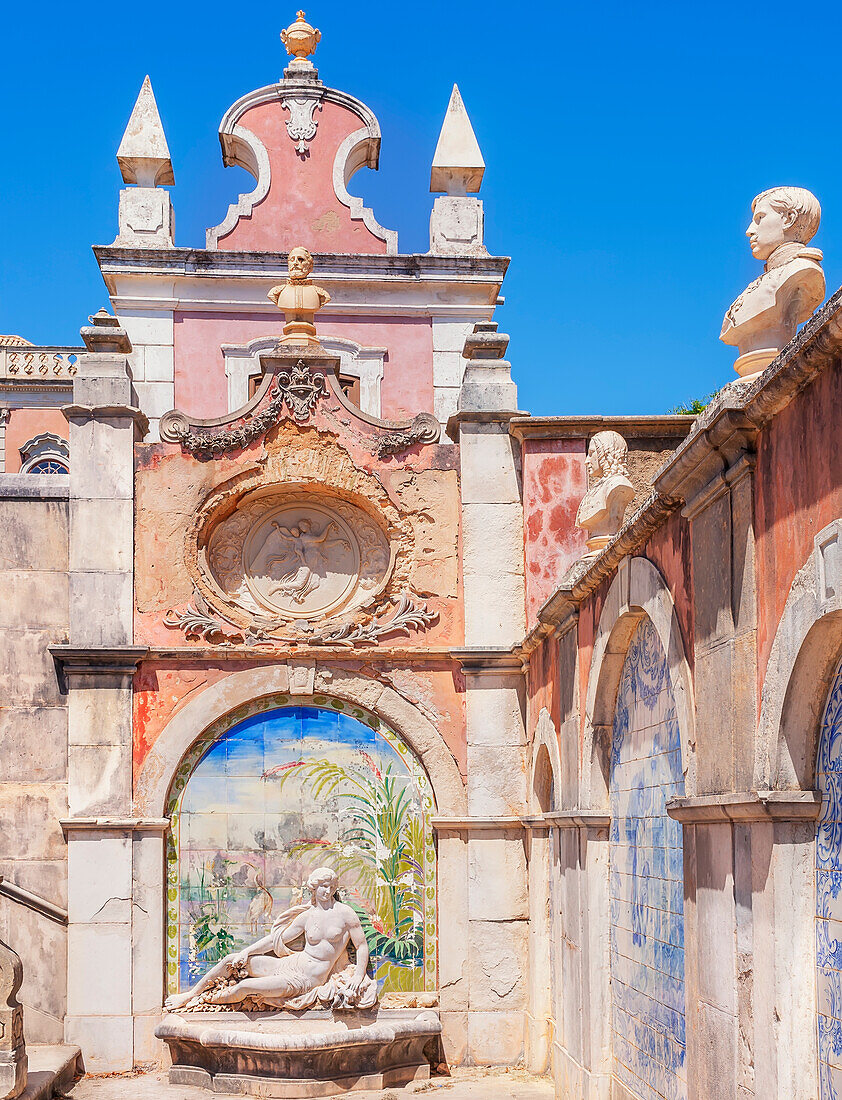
(254, 588)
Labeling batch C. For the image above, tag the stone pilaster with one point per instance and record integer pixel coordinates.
(96, 672)
(749, 917)
(493, 586)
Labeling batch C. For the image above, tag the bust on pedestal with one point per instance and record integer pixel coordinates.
(604, 504)
(299, 300)
(766, 315)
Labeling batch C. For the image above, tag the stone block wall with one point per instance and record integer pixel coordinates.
(34, 615)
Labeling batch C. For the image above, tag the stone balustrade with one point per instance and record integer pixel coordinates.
(31, 363)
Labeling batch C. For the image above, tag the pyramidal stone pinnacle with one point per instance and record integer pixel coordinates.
(144, 156)
(458, 166)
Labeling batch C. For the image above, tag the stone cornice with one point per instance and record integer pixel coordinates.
(488, 658)
(580, 427)
(72, 661)
(34, 487)
(210, 263)
(476, 824)
(586, 576)
(749, 806)
(108, 412)
(568, 819)
(279, 654)
(114, 824)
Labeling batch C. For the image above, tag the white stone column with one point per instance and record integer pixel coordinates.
(493, 586)
(97, 668)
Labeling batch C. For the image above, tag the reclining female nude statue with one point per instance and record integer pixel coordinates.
(272, 974)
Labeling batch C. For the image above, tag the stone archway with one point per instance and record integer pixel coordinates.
(544, 969)
(297, 680)
(805, 651)
(637, 598)
(637, 590)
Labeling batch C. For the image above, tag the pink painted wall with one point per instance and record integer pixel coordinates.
(554, 481)
(201, 388)
(301, 207)
(25, 424)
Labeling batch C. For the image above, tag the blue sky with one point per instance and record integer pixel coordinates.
(623, 145)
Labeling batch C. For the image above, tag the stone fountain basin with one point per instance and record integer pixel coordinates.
(296, 1055)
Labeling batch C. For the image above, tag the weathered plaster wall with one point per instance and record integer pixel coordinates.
(423, 489)
(554, 482)
(25, 424)
(798, 491)
(301, 206)
(201, 388)
(34, 614)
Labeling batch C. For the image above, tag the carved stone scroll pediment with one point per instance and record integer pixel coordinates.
(296, 393)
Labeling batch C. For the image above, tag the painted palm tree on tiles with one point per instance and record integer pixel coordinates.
(380, 849)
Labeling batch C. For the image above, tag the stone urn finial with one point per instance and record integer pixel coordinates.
(300, 40)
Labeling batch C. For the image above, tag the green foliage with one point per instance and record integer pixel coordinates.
(696, 406)
(210, 939)
(383, 846)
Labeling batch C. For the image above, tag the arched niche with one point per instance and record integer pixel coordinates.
(804, 654)
(546, 765)
(637, 591)
(156, 774)
(276, 788)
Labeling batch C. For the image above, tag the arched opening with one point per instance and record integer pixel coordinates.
(544, 907)
(277, 788)
(646, 876)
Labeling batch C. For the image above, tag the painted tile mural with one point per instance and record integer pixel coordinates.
(829, 897)
(647, 875)
(277, 790)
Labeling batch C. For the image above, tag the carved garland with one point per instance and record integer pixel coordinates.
(197, 621)
(424, 428)
(297, 390)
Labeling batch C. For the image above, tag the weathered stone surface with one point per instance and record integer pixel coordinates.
(29, 820)
(497, 785)
(494, 708)
(33, 744)
(490, 465)
(497, 885)
(99, 969)
(107, 1040)
(33, 535)
(99, 780)
(33, 600)
(495, 1038)
(497, 954)
(99, 871)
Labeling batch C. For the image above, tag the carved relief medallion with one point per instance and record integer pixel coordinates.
(297, 556)
(301, 561)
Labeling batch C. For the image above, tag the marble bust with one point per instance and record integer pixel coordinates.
(299, 299)
(272, 974)
(766, 315)
(603, 506)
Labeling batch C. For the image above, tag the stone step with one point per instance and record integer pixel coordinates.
(52, 1070)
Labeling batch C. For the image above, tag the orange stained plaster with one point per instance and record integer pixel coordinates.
(798, 493)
